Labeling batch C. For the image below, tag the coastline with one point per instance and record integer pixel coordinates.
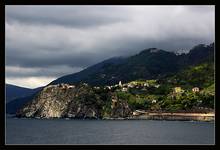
(205, 117)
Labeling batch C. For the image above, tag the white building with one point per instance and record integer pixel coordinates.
(154, 101)
(120, 84)
(124, 89)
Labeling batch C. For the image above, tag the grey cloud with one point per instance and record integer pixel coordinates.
(41, 60)
(52, 71)
(53, 40)
(69, 16)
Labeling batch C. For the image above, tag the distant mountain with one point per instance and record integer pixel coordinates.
(17, 96)
(148, 64)
(85, 74)
(13, 92)
(15, 104)
(201, 53)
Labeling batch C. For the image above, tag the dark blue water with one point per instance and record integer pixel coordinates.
(61, 131)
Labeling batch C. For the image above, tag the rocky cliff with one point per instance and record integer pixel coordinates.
(81, 101)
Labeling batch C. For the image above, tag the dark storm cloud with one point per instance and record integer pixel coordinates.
(51, 41)
(40, 59)
(69, 16)
(52, 71)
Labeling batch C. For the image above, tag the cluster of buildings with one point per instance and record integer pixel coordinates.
(126, 86)
(66, 86)
(61, 86)
(180, 90)
(133, 84)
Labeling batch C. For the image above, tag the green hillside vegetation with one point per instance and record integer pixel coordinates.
(164, 97)
(153, 80)
(195, 76)
(148, 64)
(171, 94)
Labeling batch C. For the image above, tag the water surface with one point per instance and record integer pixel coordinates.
(61, 131)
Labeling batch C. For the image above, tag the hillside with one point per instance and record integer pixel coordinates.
(173, 93)
(13, 92)
(17, 96)
(85, 74)
(160, 70)
(148, 64)
(82, 101)
(15, 104)
(201, 75)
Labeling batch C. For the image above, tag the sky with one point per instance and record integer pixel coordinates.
(43, 43)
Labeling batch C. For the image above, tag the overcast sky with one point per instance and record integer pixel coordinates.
(47, 42)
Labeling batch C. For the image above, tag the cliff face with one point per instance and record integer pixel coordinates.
(119, 108)
(82, 101)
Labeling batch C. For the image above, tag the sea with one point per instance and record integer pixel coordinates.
(107, 132)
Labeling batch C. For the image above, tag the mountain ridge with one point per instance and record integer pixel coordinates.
(14, 91)
(147, 64)
(17, 96)
(173, 94)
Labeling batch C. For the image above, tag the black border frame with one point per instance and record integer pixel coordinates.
(100, 2)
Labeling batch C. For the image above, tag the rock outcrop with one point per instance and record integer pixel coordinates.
(120, 108)
(63, 100)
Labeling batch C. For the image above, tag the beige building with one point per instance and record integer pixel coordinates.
(178, 90)
(114, 103)
(195, 89)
